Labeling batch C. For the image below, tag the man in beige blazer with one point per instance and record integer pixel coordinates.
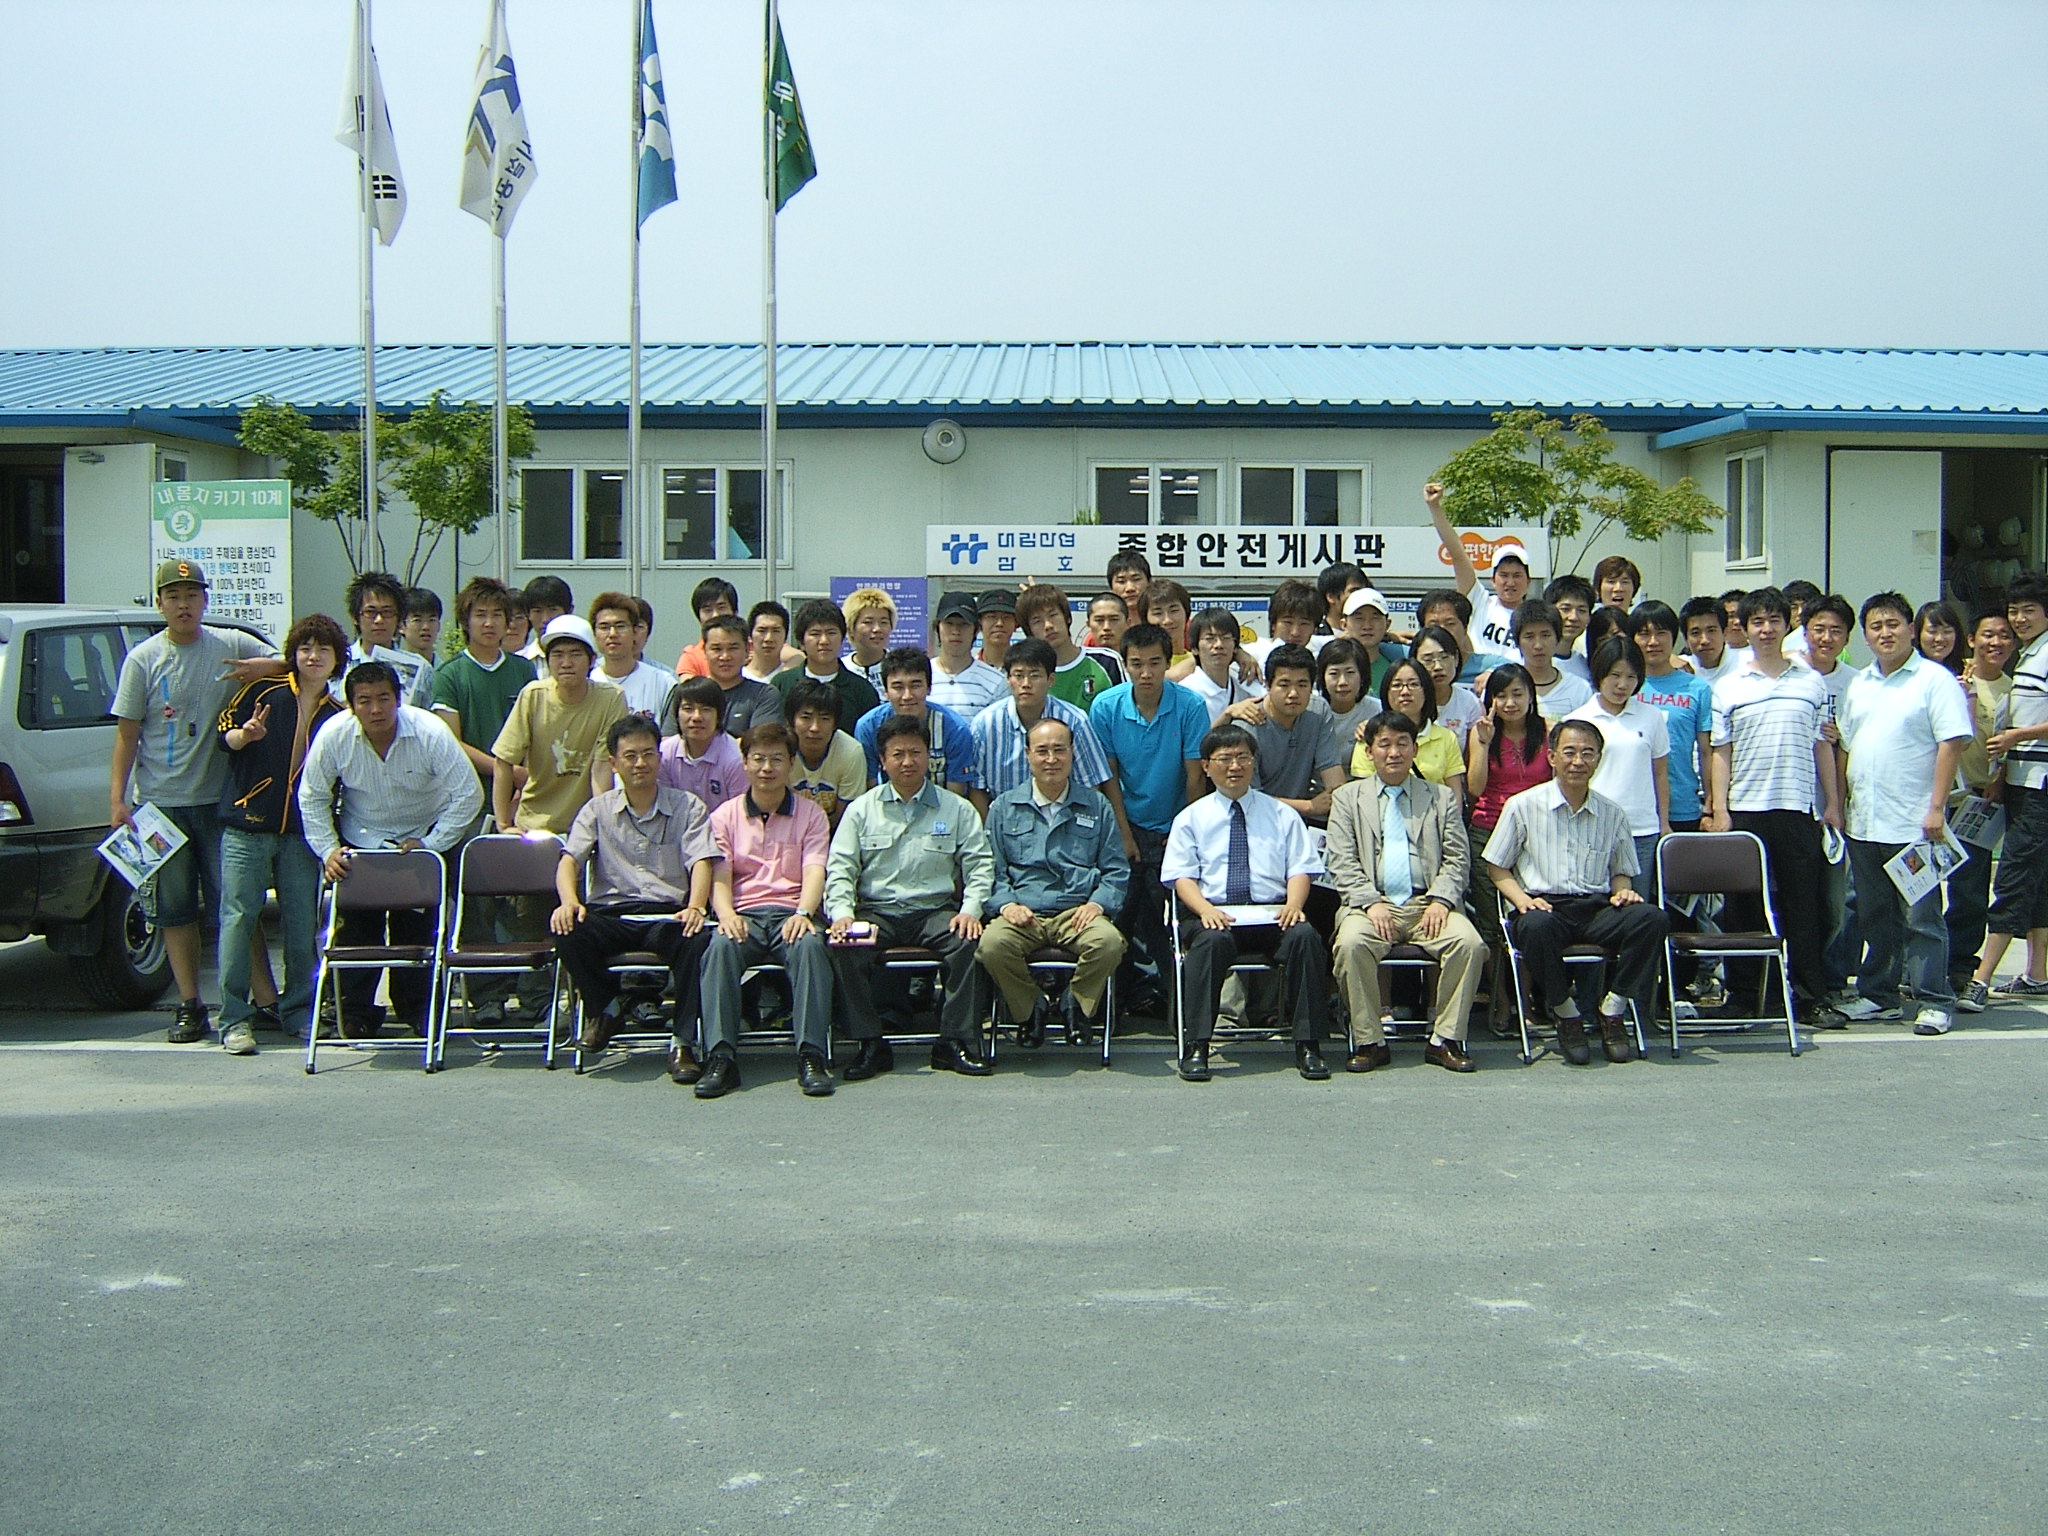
(1398, 856)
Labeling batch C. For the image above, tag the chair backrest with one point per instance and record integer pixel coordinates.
(511, 864)
(380, 880)
(1718, 863)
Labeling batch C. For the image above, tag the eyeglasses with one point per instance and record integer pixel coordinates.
(1234, 760)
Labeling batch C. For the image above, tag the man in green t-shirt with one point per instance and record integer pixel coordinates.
(552, 743)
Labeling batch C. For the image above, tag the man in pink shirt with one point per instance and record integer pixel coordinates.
(701, 759)
(766, 894)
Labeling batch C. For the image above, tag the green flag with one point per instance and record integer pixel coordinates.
(792, 147)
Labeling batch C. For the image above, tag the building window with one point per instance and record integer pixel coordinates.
(1140, 494)
(1745, 523)
(712, 513)
(567, 516)
(1296, 497)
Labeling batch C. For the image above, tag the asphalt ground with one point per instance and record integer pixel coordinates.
(1734, 1292)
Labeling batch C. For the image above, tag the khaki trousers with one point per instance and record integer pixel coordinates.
(1005, 947)
(1457, 949)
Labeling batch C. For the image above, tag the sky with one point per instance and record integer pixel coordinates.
(1800, 172)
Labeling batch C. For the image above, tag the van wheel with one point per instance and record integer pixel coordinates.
(130, 969)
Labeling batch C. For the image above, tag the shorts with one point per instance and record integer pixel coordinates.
(172, 896)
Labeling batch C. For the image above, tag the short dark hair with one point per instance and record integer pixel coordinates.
(1332, 579)
(1604, 621)
(1701, 608)
(1614, 651)
(726, 624)
(1763, 600)
(815, 612)
(701, 691)
(550, 592)
(632, 723)
(1147, 635)
(767, 733)
(713, 589)
(1290, 658)
(1571, 723)
(1342, 649)
(1570, 585)
(1834, 605)
(1390, 720)
(819, 698)
(321, 630)
(1654, 613)
(2027, 587)
(1163, 590)
(618, 602)
(1109, 597)
(1800, 593)
(1294, 600)
(897, 726)
(1444, 597)
(768, 609)
(906, 660)
(1214, 620)
(1536, 610)
(1043, 598)
(368, 674)
(1031, 653)
(1618, 565)
(1442, 637)
(646, 614)
(377, 584)
(484, 592)
(1128, 560)
(1896, 602)
(422, 600)
(1229, 735)
(1427, 716)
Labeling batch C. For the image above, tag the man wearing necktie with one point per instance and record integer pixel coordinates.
(1241, 847)
(1399, 857)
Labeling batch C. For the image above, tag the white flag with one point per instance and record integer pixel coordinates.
(387, 184)
(497, 158)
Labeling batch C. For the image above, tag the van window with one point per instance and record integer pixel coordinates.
(70, 677)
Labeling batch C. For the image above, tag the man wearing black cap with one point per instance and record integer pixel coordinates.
(962, 683)
(166, 707)
(997, 612)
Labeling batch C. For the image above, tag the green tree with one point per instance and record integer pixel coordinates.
(1534, 468)
(439, 459)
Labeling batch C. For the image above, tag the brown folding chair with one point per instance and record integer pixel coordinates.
(505, 864)
(1590, 956)
(1053, 967)
(383, 881)
(1725, 864)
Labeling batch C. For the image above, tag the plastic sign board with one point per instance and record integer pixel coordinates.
(1191, 554)
(240, 533)
(906, 592)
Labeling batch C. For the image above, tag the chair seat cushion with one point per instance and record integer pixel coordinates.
(1052, 954)
(1407, 953)
(909, 954)
(637, 959)
(518, 952)
(1767, 942)
(383, 954)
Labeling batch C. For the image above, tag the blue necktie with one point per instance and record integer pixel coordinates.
(1396, 879)
(1237, 879)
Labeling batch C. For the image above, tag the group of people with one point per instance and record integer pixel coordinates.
(798, 792)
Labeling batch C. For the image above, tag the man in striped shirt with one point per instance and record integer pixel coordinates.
(1773, 772)
(1001, 755)
(1564, 859)
(2019, 900)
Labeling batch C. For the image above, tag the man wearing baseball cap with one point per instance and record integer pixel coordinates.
(997, 612)
(166, 707)
(960, 681)
(1496, 609)
(555, 734)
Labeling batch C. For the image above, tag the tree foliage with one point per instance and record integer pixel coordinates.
(440, 460)
(1563, 476)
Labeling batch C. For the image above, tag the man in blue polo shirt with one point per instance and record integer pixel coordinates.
(906, 687)
(1152, 732)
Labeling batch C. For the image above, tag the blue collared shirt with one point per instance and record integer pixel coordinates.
(1151, 756)
(1000, 757)
(1053, 858)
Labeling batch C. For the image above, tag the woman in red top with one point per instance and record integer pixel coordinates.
(1506, 752)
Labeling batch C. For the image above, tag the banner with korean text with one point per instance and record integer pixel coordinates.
(240, 532)
(1193, 554)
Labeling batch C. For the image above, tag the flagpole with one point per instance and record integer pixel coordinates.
(500, 457)
(631, 531)
(373, 549)
(768, 486)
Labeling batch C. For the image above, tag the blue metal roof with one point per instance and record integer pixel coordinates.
(1711, 390)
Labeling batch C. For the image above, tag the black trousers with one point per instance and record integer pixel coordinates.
(855, 967)
(604, 933)
(1632, 935)
(412, 989)
(1302, 954)
(1798, 868)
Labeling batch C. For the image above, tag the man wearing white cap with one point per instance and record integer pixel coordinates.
(1365, 620)
(1494, 631)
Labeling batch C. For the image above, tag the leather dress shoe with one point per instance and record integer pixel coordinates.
(683, 1066)
(1571, 1039)
(1080, 1028)
(721, 1076)
(871, 1058)
(1031, 1031)
(599, 1028)
(1614, 1038)
(1194, 1067)
(957, 1056)
(1450, 1056)
(1308, 1060)
(1367, 1057)
(813, 1077)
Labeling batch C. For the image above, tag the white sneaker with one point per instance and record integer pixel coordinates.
(1932, 1021)
(1861, 1010)
(1686, 1012)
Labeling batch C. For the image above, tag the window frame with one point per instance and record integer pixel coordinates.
(1302, 469)
(1736, 552)
(578, 528)
(785, 532)
(34, 680)
(1155, 469)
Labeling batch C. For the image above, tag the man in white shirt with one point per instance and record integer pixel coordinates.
(376, 602)
(1904, 723)
(1239, 848)
(1708, 644)
(2019, 901)
(962, 681)
(1510, 581)
(1824, 626)
(615, 620)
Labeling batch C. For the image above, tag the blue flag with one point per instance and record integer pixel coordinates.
(657, 175)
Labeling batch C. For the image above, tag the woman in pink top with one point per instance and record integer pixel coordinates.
(1506, 752)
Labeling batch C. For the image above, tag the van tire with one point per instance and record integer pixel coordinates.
(130, 969)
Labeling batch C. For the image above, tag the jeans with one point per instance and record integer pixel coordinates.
(251, 865)
(1969, 900)
(1916, 937)
(185, 890)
